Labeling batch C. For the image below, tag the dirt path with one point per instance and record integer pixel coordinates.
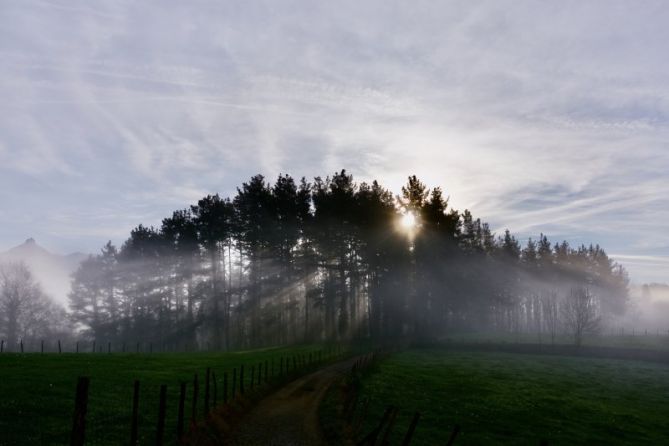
(290, 415)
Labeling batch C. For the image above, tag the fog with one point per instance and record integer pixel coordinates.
(293, 261)
(648, 309)
(52, 271)
(297, 261)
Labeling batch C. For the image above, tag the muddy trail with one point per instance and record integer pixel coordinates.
(289, 416)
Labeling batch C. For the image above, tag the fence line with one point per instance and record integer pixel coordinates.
(382, 432)
(258, 384)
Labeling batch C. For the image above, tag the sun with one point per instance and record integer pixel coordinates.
(408, 221)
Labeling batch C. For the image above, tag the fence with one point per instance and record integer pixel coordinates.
(93, 346)
(354, 413)
(37, 407)
(104, 346)
(180, 409)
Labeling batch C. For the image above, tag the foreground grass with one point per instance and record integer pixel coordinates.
(500, 398)
(37, 391)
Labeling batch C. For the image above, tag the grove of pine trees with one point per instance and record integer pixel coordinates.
(296, 262)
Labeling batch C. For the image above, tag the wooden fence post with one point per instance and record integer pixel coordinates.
(60, 350)
(78, 433)
(213, 378)
(135, 414)
(225, 387)
(374, 434)
(234, 383)
(21, 344)
(253, 371)
(207, 377)
(41, 348)
(456, 431)
(160, 429)
(2, 346)
(410, 431)
(241, 380)
(389, 428)
(361, 418)
(77, 347)
(195, 392)
(180, 416)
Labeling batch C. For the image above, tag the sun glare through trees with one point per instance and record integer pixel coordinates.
(408, 221)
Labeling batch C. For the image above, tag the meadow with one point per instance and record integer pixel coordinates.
(495, 397)
(638, 339)
(37, 391)
(514, 399)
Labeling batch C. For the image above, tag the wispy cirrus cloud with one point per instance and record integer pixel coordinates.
(538, 117)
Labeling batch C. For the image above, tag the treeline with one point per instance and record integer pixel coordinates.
(26, 312)
(295, 261)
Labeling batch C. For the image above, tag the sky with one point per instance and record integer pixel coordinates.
(537, 116)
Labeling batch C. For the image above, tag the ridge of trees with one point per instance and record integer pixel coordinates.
(295, 261)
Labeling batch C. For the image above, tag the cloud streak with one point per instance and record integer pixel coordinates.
(537, 117)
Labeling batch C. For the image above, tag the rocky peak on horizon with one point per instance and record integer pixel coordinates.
(51, 270)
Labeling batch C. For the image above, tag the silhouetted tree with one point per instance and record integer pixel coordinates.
(580, 313)
(292, 261)
(213, 219)
(25, 311)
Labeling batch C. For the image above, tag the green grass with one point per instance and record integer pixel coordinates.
(37, 391)
(652, 340)
(500, 398)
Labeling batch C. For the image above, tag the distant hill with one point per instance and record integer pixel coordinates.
(51, 270)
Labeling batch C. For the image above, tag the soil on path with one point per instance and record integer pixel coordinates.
(289, 417)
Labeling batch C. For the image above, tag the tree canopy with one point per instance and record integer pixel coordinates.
(294, 261)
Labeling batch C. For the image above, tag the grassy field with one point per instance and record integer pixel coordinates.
(37, 391)
(500, 398)
(640, 339)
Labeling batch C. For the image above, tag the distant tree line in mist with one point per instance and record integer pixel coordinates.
(26, 312)
(295, 261)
